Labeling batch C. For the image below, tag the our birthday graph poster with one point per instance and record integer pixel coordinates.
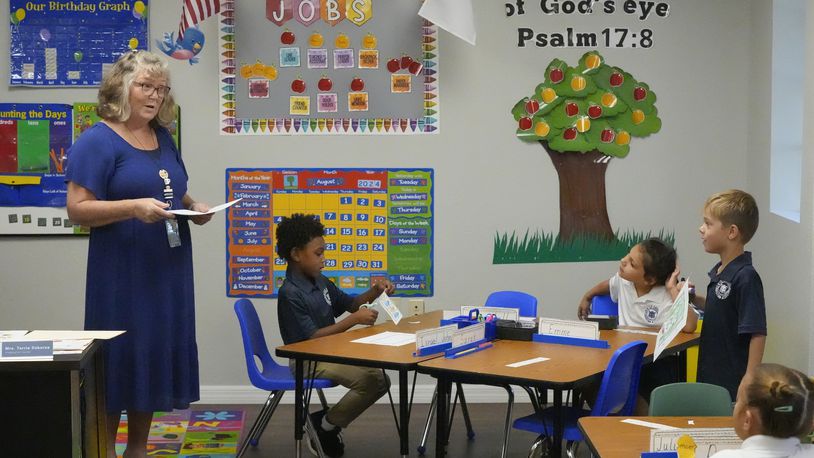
(73, 42)
(378, 224)
(34, 142)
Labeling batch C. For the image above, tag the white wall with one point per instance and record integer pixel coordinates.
(782, 248)
(486, 179)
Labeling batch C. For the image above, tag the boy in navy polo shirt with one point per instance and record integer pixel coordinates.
(734, 333)
(307, 307)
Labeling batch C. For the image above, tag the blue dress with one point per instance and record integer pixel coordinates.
(135, 281)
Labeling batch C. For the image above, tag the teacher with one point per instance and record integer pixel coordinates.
(123, 176)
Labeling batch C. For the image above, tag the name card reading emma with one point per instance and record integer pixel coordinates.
(435, 336)
(569, 328)
(468, 335)
(503, 313)
(27, 350)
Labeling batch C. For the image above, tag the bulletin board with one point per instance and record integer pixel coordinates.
(72, 42)
(311, 67)
(378, 224)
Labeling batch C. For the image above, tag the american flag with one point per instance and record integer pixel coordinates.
(195, 11)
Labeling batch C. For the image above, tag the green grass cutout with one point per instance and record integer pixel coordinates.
(542, 247)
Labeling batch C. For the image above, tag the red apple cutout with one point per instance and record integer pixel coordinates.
(288, 37)
(298, 86)
(525, 123)
(607, 135)
(556, 75)
(532, 106)
(416, 67)
(393, 65)
(325, 84)
(571, 109)
(639, 93)
(406, 61)
(594, 111)
(357, 85)
(570, 133)
(616, 79)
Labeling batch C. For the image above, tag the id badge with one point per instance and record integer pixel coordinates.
(173, 236)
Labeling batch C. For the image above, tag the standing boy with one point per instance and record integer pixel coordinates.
(307, 306)
(734, 333)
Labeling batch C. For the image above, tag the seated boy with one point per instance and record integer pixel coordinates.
(308, 305)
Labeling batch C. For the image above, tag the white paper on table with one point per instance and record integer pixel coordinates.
(706, 441)
(388, 338)
(12, 334)
(449, 314)
(538, 359)
(71, 335)
(215, 209)
(637, 331)
(388, 306)
(648, 424)
(675, 321)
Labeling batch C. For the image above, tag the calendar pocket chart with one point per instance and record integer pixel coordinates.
(378, 224)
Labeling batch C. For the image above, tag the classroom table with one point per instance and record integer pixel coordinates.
(567, 366)
(608, 437)
(338, 348)
(55, 408)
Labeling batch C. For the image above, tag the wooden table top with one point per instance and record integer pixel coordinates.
(338, 348)
(608, 437)
(567, 364)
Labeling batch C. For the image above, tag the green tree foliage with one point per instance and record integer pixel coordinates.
(592, 106)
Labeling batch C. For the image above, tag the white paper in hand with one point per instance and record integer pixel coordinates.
(388, 306)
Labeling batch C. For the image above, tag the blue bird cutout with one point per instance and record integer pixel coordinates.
(183, 49)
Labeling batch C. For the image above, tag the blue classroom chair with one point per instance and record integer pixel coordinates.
(272, 377)
(514, 299)
(604, 305)
(617, 397)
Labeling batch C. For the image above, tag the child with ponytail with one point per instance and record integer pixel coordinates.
(774, 410)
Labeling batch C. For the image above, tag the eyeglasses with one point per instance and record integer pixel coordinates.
(149, 89)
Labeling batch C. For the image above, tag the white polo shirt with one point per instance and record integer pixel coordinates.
(649, 310)
(769, 447)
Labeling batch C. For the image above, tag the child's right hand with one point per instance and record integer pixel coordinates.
(365, 316)
(584, 308)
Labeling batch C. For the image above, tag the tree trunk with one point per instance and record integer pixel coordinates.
(583, 206)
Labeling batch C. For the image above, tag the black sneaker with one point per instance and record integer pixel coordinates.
(331, 441)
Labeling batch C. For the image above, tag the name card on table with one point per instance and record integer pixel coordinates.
(698, 442)
(26, 350)
(468, 335)
(435, 336)
(502, 313)
(569, 328)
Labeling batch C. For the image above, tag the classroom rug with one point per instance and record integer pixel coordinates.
(190, 433)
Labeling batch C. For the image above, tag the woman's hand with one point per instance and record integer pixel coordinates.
(149, 210)
(202, 208)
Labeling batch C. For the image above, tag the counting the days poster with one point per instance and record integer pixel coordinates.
(378, 224)
(72, 42)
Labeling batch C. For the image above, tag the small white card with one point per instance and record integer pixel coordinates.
(388, 306)
(503, 313)
(538, 359)
(468, 335)
(569, 328)
(214, 209)
(435, 336)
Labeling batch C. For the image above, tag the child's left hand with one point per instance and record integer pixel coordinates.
(384, 286)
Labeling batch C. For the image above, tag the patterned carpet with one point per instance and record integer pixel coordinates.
(190, 433)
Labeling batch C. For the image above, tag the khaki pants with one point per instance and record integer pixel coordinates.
(366, 386)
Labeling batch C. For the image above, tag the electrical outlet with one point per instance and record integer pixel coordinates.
(416, 306)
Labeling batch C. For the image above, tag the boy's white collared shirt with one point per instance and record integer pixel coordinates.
(649, 310)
